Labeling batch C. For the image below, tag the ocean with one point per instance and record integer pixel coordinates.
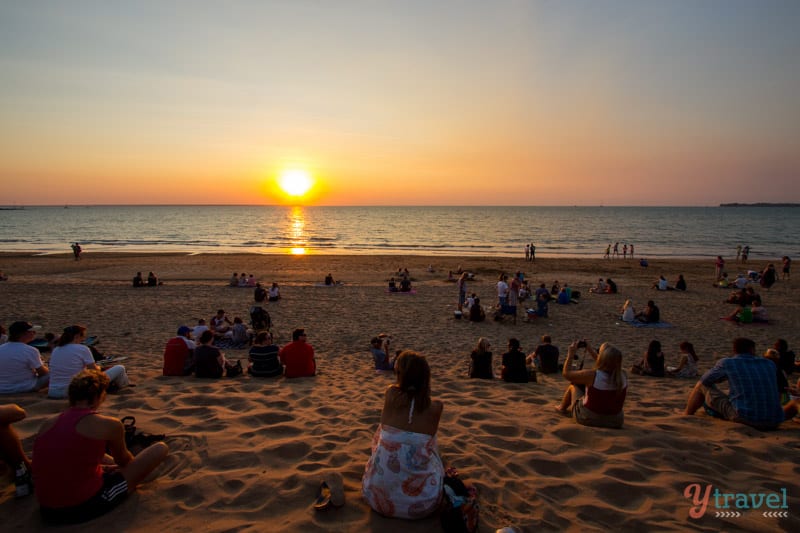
(690, 232)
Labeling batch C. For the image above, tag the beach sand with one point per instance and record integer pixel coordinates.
(248, 454)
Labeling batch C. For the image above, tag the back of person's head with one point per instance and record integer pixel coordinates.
(654, 347)
(375, 342)
(220, 311)
(296, 334)
(88, 386)
(201, 322)
(206, 336)
(609, 360)
(237, 320)
(781, 345)
(546, 339)
(414, 378)
(483, 344)
(651, 303)
(688, 347)
(70, 333)
(744, 345)
(513, 343)
(263, 337)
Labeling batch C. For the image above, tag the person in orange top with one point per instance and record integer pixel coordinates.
(298, 356)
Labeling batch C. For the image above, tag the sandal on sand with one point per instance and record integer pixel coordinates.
(323, 500)
(336, 486)
(563, 412)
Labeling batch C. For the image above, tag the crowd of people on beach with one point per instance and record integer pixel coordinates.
(595, 394)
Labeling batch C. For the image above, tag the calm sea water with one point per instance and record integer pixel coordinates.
(454, 231)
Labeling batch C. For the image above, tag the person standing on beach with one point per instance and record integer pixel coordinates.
(745, 253)
(527, 252)
(615, 253)
(607, 255)
(787, 266)
(631, 250)
(76, 251)
(533, 253)
(462, 289)
(738, 252)
(624, 251)
(502, 290)
(719, 265)
(298, 356)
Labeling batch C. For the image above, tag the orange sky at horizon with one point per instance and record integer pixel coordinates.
(606, 103)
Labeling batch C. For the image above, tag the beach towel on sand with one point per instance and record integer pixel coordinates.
(638, 324)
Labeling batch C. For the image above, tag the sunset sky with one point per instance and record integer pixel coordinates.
(673, 102)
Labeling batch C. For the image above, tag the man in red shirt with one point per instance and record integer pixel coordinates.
(298, 356)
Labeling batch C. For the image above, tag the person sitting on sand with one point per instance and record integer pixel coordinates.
(595, 397)
(380, 352)
(650, 315)
(661, 283)
(768, 277)
(274, 292)
(611, 286)
(652, 364)
(251, 280)
(476, 312)
(179, 354)
(3, 276)
(75, 480)
(405, 284)
(601, 287)
(263, 357)
(199, 328)
(741, 281)
(242, 280)
(404, 476)
(209, 361)
(152, 280)
(555, 289)
(298, 356)
(240, 336)
(234, 281)
(752, 384)
(392, 285)
(687, 364)
(514, 369)
(680, 283)
(563, 297)
(220, 323)
(329, 279)
(780, 376)
(723, 282)
(787, 357)
(480, 365)
(21, 366)
(545, 357)
(11, 451)
(628, 312)
(138, 280)
(259, 294)
(70, 357)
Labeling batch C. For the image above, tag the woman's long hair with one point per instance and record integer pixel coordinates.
(688, 347)
(70, 332)
(609, 360)
(483, 345)
(414, 378)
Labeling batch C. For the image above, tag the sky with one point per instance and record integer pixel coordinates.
(595, 102)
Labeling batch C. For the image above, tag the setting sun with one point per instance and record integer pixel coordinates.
(295, 182)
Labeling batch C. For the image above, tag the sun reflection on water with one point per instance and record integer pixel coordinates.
(297, 233)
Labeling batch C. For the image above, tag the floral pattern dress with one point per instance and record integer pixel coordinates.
(404, 476)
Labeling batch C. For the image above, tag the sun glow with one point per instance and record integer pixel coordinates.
(295, 182)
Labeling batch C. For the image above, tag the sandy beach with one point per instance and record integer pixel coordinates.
(248, 454)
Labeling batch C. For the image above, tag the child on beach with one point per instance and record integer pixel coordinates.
(687, 364)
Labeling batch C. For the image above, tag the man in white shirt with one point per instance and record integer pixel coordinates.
(21, 366)
(502, 290)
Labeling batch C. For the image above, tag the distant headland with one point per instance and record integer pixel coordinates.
(759, 204)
